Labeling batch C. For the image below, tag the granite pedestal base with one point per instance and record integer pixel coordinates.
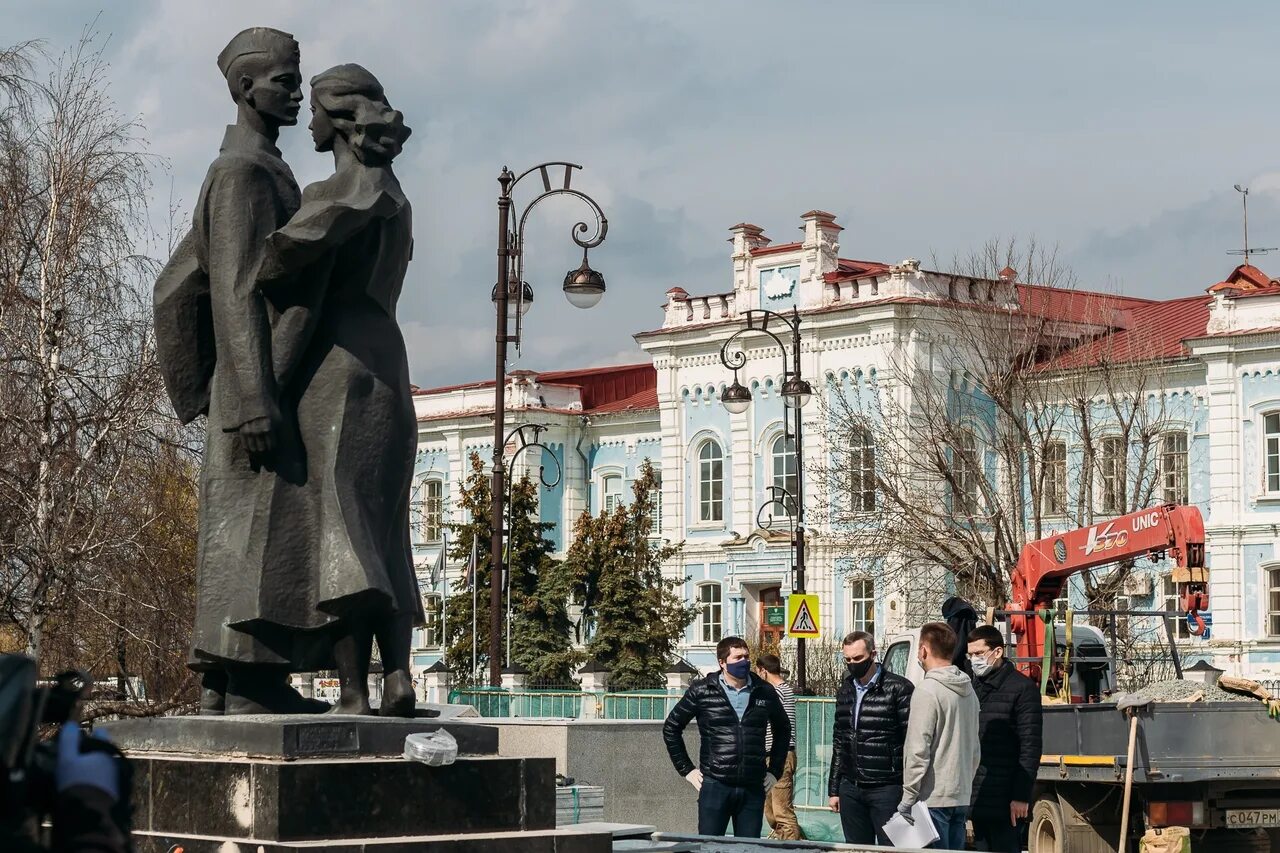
(324, 779)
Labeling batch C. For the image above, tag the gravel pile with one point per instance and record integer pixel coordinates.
(1180, 691)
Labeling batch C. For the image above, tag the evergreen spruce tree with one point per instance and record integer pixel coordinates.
(636, 615)
(540, 638)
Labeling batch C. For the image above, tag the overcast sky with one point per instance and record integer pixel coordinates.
(1113, 129)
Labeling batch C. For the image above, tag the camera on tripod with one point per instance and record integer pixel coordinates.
(28, 762)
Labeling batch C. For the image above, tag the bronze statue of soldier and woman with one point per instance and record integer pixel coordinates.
(275, 318)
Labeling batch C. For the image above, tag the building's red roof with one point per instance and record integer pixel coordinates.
(1075, 306)
(604, 390)
(1152, 331)
(1245, 278)
(847, 270)
(770, 250)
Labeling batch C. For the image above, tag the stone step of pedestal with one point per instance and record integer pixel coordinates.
(334, 799)
(498, 842)
(289, 736)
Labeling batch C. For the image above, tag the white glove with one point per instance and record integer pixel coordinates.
(769, 781)
(694, 778)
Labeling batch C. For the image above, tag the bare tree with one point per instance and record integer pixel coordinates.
(87, 444)
(979, 435)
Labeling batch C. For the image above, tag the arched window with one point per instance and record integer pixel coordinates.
(710, 482)
(612, 493)
(1271, 451)
(862, 470)
(710, 624)
(784, 467)
(431, 511)
(1114, 470)
(1173, 467)
(965, 470)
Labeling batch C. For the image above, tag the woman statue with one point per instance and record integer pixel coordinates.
(331, 278)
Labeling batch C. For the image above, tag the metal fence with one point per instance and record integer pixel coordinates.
(814, 720)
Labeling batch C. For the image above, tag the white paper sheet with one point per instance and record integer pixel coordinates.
(921, 834)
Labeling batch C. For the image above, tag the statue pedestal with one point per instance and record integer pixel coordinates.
(325, 782)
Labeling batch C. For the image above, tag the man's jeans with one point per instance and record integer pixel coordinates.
(949, 822)
(865, 811)
(719, 803)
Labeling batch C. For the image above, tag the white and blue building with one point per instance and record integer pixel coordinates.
(602, 423)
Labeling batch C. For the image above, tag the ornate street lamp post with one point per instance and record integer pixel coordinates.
(795, 394)
(512, 297)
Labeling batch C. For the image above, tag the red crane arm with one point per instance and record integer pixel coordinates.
(1044, 565)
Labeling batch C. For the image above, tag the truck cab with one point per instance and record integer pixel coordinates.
(1088, 663)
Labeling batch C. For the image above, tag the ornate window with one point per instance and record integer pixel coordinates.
(710, 614)
(1273, 602)
(1053, 498)
(965, 470)
(862, 606)
(784, 467)
(710, 482)
(1112, 464)
(1271, 450)
(862, 470)
(1173, 468)
(431, 511)
(612, 493)
(433, 629)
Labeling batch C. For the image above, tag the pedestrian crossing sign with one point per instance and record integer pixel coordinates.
(802, 616)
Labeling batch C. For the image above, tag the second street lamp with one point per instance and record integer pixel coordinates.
(796, 392)
(583, 287)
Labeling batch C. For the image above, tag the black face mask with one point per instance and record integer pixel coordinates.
(859, 669)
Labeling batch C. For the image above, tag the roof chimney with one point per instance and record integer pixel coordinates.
(1008, 274)
(747, 237)
(822, 239)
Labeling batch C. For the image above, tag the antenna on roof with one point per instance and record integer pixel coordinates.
(1246, 251)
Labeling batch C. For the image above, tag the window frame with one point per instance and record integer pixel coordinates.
(606, 496)
(655, 507)
(787, 479)
(966, 467)
(433, 609)
(1180, 469)
(1169, 596)
(1054, 481)
(864, 603)
(1112, 484)
(1270, 478)
(429, 533)
(705, 625)
(710, 473)
(862, 470)
(1272, 601)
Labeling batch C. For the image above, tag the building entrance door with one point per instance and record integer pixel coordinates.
(773, 615)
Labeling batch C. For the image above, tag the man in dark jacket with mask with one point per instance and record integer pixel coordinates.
(734, 709)
(872, 705)
(1009, 728)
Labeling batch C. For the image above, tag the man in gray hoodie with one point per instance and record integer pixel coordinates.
(942, 751)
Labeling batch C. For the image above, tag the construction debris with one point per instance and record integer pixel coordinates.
(1175, 690)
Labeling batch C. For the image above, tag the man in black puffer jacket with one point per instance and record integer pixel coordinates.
(733, 710)
(872, 706)
(1009, 728)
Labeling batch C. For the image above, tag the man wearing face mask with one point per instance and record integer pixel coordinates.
(1010, 732)
(872, 707)
(734, 710)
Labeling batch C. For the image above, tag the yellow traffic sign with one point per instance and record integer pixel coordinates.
(802, 616)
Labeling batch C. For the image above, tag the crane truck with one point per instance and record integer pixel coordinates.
(1213, 767)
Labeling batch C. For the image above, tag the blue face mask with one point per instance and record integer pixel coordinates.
(738, 669)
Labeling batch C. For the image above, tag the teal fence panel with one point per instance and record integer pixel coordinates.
(815, 718)
(488, 701)
(638, 705)
(559, 704)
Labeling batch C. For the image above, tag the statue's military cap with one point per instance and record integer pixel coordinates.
(256, 40)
